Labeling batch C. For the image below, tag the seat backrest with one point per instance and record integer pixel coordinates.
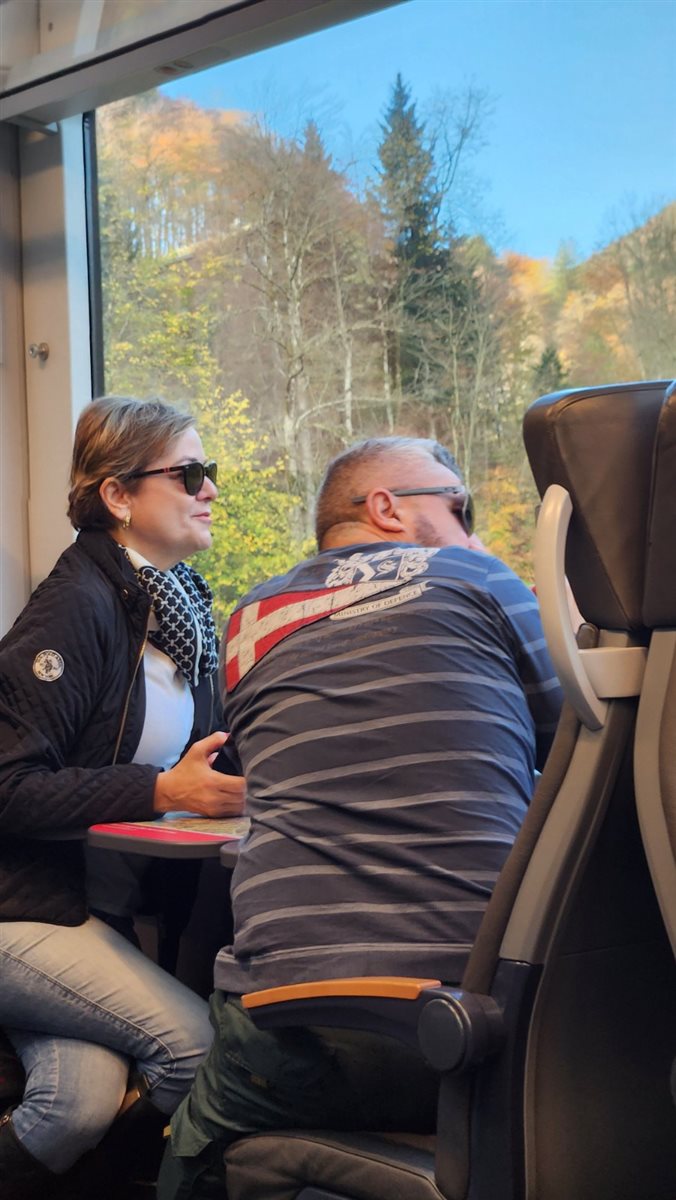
(583, 441)
(598, 444)
(586, 909)
(655, 756)
(572, 943)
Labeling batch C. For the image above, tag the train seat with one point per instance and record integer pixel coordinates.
(554, 1054)
(654, 757)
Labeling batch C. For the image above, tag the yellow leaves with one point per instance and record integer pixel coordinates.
(594, 338)
(531, 276)
(506, 506)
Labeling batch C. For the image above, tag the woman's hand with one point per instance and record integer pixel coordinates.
(193, 786)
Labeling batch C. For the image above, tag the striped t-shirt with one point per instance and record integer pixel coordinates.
(389, 706)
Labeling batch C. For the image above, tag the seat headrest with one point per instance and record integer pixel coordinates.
(659, 598)
(597, 443)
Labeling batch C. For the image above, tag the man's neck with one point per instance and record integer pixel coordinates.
(354, 533)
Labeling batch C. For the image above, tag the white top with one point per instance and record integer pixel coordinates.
(170, 708)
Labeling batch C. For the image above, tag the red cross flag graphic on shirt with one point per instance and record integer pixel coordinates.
(254, 629)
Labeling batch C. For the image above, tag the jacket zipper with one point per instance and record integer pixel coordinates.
(125, 710)
(211, 707)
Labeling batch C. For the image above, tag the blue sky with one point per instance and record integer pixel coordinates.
(580, 139)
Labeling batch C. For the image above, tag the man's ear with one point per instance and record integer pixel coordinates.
(382, 509)
(115, 497)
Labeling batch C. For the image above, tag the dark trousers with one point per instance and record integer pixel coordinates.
(253, 1081)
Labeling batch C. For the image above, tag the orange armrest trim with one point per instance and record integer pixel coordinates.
(386, 986)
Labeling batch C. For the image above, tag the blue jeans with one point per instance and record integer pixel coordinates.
(79, 1004)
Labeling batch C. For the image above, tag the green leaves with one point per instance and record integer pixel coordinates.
(252, 531)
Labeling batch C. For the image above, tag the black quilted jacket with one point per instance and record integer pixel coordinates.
(70, 723)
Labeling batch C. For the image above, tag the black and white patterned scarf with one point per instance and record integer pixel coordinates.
(181, 601)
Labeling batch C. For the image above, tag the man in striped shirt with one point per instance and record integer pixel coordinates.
(390, 700)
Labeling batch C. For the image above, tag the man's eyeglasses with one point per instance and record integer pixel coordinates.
(193, 474)
(462, 504)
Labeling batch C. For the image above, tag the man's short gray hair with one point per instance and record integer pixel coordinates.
(341, 478)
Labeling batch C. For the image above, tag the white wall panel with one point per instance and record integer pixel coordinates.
(56, 312)
(14, 564)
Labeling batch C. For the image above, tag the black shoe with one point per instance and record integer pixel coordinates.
(22, 1177)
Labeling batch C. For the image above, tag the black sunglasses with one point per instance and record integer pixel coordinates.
(463, 505)
(193, 473)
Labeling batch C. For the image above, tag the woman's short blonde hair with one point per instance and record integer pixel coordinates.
(116, 435)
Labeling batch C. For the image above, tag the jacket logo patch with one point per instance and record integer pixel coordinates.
(48, 665)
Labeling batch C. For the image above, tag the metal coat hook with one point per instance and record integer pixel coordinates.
(39, 350)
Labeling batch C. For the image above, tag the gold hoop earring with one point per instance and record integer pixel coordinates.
(127, 521)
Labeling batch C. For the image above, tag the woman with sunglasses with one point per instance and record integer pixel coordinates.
(107, 713)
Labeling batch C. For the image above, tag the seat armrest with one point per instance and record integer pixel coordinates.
(451, 1028)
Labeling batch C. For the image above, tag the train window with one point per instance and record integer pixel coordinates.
(415, 222)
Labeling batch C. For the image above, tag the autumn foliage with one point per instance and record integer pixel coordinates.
(245, 275)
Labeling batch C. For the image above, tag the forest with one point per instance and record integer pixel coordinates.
(246, 277)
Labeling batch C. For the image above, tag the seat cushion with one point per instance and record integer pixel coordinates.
(357, 1166)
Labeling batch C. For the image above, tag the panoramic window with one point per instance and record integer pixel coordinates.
(415, 223)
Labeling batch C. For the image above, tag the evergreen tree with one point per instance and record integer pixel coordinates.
(410, 201)
(550, 374)
(563, 272)
(313, 146)
(408, 187)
